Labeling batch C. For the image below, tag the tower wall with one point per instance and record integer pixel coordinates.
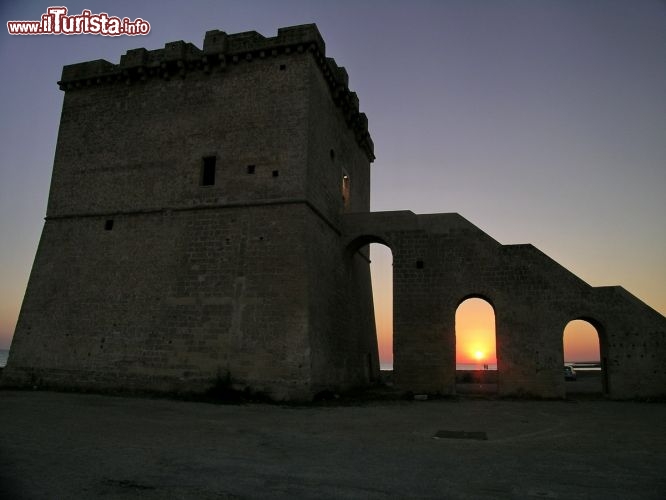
(151, 277)
(342, 316)
(169, 302)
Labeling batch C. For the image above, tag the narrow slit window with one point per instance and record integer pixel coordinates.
(208, 171)
(346, 190)
(251, 169)
(276, 173)
(108, 225)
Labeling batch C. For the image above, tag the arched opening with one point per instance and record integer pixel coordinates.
(476, 351)
(381, 270)
(583, 363)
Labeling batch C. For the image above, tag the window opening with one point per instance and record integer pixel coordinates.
(346, 190)
(208, 171)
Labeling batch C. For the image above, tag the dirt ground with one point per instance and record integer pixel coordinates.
(55, 445)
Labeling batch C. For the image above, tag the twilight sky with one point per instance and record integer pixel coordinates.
(540, 121)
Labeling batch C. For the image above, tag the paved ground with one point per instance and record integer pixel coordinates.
(87, 446)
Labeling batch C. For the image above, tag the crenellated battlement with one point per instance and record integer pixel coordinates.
(220, 50)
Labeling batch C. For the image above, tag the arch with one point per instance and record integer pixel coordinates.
(476, 345)
(381, 283)
(583, 349)
(480, 296)
(381, 271)
(362, 240)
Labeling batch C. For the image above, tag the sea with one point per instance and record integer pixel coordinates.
(459, 366)
(578, 366)
(3, 357)
(587, 366)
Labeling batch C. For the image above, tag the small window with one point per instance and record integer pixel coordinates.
(276, 173)
(419, 264)
(283, 67)
(108, 225)
(208, 171)
(250, 169)
(346, 190)
(332, 154)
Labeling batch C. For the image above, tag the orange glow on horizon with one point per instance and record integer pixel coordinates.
(381, 269)
(475, 333)
(581, 342)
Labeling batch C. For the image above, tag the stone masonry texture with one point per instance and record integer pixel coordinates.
(208, 220)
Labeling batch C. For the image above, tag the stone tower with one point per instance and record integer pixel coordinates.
(193, 224)
(209, 218)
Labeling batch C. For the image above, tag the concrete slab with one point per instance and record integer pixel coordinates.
(55, 445)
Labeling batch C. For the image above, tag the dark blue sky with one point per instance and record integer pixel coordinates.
(540, 121)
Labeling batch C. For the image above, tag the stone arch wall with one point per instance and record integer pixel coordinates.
(440, 259)
(476, 296)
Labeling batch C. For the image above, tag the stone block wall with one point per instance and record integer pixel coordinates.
(440, 260)
(153, 276)
(169, 302)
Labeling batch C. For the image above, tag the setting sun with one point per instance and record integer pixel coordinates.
(478, 355)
